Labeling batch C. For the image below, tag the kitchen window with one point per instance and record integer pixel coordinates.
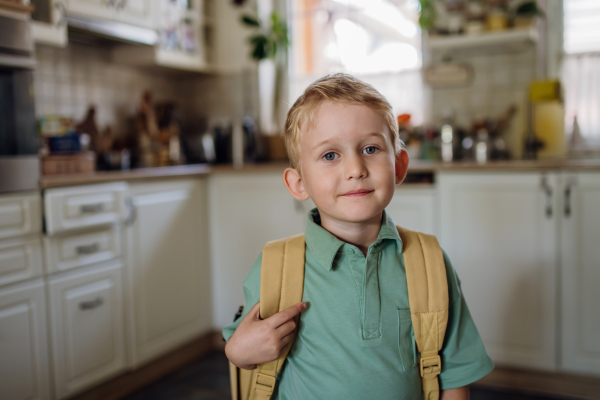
(581, 68)
(378, 41)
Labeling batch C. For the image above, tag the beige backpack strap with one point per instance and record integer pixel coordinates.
(281, 286)
(428, 298)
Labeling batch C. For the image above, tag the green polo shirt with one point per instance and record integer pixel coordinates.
(355, 339)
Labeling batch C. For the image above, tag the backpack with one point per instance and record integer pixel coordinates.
(282, 284)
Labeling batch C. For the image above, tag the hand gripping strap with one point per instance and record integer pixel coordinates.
(428, 299)
(281, 286)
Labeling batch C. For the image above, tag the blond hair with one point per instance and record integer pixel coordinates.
(336, 88)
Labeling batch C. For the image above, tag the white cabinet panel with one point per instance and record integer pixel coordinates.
(20, 259)
(136, 12)
(414, 208)
(247, 211)
(81, 249)
(500, 231)
(20, 214)
(169, 259)
(96, 9)
(85, 206)
(86, 314)
(581, 273)
(23, 345)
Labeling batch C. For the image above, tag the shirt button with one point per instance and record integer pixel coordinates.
(350, 251)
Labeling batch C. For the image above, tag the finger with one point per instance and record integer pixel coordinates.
(254, 312)
(287, 327)
(287, 338)
(287, 314)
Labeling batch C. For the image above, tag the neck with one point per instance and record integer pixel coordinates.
(361, 234)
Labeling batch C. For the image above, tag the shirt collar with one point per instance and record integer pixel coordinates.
(324, 246)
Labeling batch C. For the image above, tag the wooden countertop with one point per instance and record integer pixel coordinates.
(416, 166)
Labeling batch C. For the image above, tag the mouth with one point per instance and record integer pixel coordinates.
(358, 193)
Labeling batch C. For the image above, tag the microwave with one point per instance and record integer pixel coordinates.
(19, 142)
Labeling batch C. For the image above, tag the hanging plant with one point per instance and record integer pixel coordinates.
(270, 39)
(427, 14)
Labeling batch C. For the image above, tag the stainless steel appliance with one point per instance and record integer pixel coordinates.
(19, 163)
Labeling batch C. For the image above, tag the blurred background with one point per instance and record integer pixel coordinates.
(141, 161)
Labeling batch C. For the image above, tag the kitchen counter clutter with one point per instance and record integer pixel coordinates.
(416, 166)
(129, 266)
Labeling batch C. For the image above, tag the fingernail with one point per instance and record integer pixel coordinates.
(304, 306)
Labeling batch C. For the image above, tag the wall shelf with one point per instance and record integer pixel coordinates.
(508, 38)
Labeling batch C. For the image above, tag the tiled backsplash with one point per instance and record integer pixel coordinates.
(68, 80)
(500, 80)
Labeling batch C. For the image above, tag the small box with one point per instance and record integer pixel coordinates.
(69, 163)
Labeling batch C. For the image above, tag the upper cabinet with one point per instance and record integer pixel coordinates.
(132, 12)
(49, 24)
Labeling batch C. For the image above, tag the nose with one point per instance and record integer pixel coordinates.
(355, 167)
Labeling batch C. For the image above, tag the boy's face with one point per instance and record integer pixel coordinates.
(348, 164)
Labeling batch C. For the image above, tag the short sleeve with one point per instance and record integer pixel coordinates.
(464, 359)
(251, 295)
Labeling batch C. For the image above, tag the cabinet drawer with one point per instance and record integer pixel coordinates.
(86, 320)
(23, 343)
(66, 252)
(85, 206)
(20, 259)
(20, 215)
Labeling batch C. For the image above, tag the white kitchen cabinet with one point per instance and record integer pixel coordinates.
(246, 211)
(82, 207)
(23, 342)
(580, 272)
(48, 25)
(20, 259)
(20, 214)
(131, 12)
(95, 9)
(87, 325)
(169, 275)
(414, 207)
(501, 232)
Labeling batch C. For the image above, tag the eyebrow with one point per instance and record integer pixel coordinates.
(328, 141)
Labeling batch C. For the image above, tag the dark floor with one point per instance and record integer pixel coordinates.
(209, 380)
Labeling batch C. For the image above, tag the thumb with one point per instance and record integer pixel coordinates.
(255, 311)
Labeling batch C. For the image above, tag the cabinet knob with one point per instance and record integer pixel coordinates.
(88, 249)
(91, 208)
(90, 305)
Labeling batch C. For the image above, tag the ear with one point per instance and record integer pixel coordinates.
(401, 166)
(293, 182)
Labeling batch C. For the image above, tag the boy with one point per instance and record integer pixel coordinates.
(355, 338)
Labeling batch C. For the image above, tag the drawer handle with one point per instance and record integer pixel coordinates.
(88, 249)
(91, 208)
(90, 305)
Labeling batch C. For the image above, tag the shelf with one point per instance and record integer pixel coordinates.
(508, 37)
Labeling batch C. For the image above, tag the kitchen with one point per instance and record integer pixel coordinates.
(159, 149)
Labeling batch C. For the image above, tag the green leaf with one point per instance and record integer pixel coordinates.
(250, 21)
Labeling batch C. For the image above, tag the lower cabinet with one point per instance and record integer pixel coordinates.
(247, 211)
(414, 207)
(580, 272)
(169, 278)
(23, 342)
(501, 232)
(87, 327)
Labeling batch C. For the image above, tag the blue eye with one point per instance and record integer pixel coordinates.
(330, 156)
(370, 150)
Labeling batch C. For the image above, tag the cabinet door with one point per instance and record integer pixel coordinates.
(135, 12)
(20, 214)
(95, 9)
(246, 211)
(170, 274)
(88, 338)
(581, 273)
(414, 208)
(48, 24)
(500, 231)
(23, 346)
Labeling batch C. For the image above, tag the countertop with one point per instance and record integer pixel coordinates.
(415, 167)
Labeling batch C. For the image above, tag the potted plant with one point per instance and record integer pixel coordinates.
(525, 14)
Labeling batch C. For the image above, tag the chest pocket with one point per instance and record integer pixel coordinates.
(406, 340)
